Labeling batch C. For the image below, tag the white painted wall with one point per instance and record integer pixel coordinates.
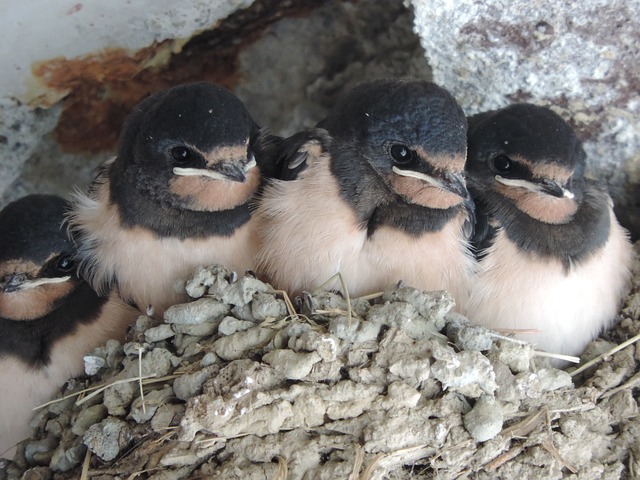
(38, 30)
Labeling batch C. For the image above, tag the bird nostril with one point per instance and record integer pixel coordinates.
(10, 283)
(16, 279)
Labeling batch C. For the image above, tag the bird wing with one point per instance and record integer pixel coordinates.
(267, 149)
(300, 151)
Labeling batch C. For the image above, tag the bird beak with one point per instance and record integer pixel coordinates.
(555, 189)
(13, 283)
(19, 281)
(456, 184)
(545, 186)
(450, 182)
(234, 171)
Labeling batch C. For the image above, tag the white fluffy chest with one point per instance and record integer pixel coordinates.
(514, 290)
(432, 261)
(308, 234)
(146, 266)
(24, 388)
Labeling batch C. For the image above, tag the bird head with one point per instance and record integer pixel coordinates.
(37, 269)
(531, 156)
(412, 134)
(189, 146)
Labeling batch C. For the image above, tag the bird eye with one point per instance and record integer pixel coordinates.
(503, 164)
(400, 153)
(65, 263)
(181, 154)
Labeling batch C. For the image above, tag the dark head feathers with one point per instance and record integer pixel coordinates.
(30, 229)
(202, 114)
(192, 119)
(387, 109)
(530, 131)
(539, 136)
(412, 107)
(269, 152)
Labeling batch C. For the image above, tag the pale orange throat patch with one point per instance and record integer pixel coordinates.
(225, 154)
(212, 195)
(540, 206)
(421, 193)
(34, 303)
(451, 162)
(11, 267)
(552, 171)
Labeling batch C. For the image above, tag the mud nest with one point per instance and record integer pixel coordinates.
(236, 384)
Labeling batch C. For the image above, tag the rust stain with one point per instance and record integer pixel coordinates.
(105, 87)
(76, 8)
(101, 89)
(62, 73)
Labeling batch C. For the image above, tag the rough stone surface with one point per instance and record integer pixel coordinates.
(403, 388)
(21, 129)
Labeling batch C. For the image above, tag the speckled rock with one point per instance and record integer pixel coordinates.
(161, 332)
(224, 285)
(467, 372)
(118, 397)
(292, 365)
(514, 353)
(189, 385)
(469, 337)
(265, 306)
(65, 459)
(231, 325)
(236, 346)
(143, 410)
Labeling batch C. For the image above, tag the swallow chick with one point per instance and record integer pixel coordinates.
(49, 318)
(177, 196)
(552, 256)
(376, 193)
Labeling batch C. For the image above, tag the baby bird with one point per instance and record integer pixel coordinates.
(552, 256)
(49, 318)
(375, 193)
(176, 196)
